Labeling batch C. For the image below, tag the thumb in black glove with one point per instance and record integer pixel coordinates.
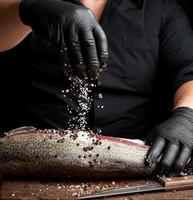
(172, 143)
(69, 24)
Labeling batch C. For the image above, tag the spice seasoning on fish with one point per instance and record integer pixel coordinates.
(62, 132)
(91, 164)
(88, 148)
(74, 136)
(94, 160)
(61, 140)
(62, 157)
(97, 142)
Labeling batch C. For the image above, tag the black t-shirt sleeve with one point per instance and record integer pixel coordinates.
(176, 45)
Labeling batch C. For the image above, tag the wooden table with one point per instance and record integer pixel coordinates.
(12, 189)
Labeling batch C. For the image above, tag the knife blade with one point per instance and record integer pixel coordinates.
(163, 184)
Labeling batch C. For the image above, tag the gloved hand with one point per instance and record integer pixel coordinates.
(69, 24)
(172, 143)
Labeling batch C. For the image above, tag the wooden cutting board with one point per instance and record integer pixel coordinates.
(15, 189)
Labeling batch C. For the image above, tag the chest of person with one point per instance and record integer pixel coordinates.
(133, 38)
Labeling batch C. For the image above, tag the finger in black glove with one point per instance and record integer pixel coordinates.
(172, 142)
(65, 23)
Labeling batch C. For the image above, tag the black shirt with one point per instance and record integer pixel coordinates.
(151, 55)
(187, 6)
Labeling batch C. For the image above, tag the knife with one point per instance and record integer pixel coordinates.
(163, 184)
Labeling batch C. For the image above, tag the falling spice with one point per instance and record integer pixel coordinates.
(82, 88)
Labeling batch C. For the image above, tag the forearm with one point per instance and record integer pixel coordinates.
(12, 30)
(172, 140)
(184, 96)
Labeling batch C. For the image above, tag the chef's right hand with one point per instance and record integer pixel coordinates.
(64, 23)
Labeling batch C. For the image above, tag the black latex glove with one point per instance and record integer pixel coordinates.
(172, 143)
(71, 25)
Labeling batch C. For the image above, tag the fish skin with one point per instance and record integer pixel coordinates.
(58, 153)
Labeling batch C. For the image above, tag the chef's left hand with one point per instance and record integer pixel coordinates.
(172, 143)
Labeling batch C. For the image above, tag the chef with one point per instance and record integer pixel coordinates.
(144, 49)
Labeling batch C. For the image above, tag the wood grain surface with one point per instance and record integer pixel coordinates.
(29, 189)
